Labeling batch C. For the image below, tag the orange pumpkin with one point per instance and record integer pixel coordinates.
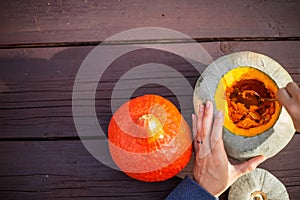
(149, 139)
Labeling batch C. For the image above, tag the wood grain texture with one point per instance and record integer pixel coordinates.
(64, 169)
(57, 21)
(36, 84)
(42, 45)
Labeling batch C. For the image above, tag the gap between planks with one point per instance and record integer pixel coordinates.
(23, 139)
(159, 41)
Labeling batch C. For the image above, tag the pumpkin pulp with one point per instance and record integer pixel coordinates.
(246, 109)
(240, 95)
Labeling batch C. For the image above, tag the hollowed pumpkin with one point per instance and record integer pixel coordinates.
(224, 81)
(241, 95)
(149, 139)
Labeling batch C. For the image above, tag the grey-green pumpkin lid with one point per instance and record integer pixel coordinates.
(258, 185)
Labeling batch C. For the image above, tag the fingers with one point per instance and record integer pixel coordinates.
(207, 119)
(194, 121)
(197, 127)
(289, 93)
(283, 96)
(289, 97)
(206, 147)
(202, 126)
(216, 137)
(293, 89)
(200, 136)
(249, 165)
(217, 128)
(195, 132)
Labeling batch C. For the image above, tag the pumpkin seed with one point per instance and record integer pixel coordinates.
(254, 115)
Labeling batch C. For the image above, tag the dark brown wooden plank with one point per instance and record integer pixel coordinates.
(64, 169)
(36, 84)
(80, 21)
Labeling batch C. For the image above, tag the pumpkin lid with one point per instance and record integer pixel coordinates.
(258, 185)
(268, 140)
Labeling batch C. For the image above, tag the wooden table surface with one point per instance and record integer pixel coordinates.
(42, 45)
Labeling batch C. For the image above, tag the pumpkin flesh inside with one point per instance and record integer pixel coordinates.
(246, 109)
(241, 95)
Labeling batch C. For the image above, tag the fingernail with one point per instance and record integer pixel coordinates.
(193, 117)
(219, 114)
(208, 104)
(201, 108)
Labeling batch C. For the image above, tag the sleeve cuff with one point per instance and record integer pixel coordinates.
(189, 189)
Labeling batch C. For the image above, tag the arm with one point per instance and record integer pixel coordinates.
(189, 189)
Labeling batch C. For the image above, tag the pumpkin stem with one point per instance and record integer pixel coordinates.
(154, 126)
(258, 195)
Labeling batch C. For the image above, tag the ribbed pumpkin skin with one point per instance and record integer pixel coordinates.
(147, 155)
(258, 181)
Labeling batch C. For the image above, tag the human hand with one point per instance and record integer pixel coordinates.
(212, 169)
(289, 97)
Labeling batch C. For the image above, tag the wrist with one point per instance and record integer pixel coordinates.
(209, 188)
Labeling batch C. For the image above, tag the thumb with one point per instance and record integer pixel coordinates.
(249, 165)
